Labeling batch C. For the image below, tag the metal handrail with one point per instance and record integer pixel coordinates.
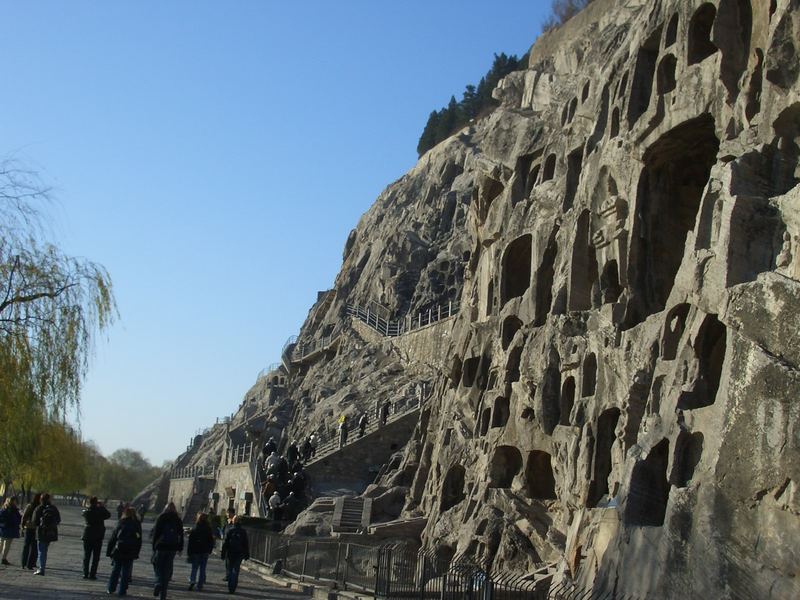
(330, 443)
(407, 324)
(191, 472)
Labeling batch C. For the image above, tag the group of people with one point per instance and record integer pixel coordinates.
(284, 481)
(381, 413)
(41, 518)
(39, 522)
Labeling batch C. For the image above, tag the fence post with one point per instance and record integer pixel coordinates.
(346, 565)
(338, 557)
(267, 548)
(450, 308)
(419, 320)
(305, 557)
(439, 318)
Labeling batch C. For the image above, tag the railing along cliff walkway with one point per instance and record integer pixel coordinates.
(410, 323)
(330, 443)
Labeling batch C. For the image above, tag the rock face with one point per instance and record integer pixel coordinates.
(618, 394)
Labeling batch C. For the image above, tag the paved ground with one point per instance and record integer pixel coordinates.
(64, 578)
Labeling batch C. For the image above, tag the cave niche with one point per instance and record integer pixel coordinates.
(505, 466)
(539, 479)
(677, 169)
(700, 46)
(649, 489)
(516, 271)
(453, 488)
(601, 467)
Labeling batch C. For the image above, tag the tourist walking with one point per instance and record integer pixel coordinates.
(29, 552)
(198, 548)
(385, 411)
(46, 519)
(269, 447)
(275, 506)
(362, 425)
(235, 549)
(93, 533)
(342, 431)
(312, 441)
(120, 509)
(167, 541)
(292, 453)
(10, 520)
(124, 546)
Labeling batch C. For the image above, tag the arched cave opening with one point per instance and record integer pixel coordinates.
(512, 366)
(574, 167)
(505, 466)
(671, 35)
(614, 131)
(482, 380)
(516, 272)
(649, 489)
(688, 452)
(673, 331)
(567, 400)
(709, 348)
(665, 82)
(511, 325)
(677, 169)
(610, 288)
(606, 435)
(589, 375)
(470, 371)
(500, 412)
(539, 479)
(453, 488)
(490, 299)
(455, 371)
(700, 45)
(486, 418)
(732, 31)
(583, 269)
(643, 74)
(549, 170)
(544, 281)
(551, 389)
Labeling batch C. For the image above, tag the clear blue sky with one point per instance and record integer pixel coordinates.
(214, 157)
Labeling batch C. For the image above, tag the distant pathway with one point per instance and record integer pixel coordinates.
(64, 578)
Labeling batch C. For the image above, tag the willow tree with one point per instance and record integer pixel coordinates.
(51, 307)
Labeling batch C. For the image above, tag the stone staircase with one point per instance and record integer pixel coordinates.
(351, 515)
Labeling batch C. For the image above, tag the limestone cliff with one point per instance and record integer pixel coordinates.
(617, 395)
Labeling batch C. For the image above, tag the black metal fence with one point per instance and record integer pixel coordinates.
(397, 571)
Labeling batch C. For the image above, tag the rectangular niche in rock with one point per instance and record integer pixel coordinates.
(677, 169)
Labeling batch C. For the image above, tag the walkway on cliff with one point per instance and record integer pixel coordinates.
(64, 578)
(399, 410)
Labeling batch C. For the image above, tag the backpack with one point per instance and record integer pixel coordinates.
(48, 524)
(235, 542)
(170, 537)
(128, 540)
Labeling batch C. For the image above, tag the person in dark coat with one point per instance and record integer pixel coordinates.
(29, 552)
(46, 519)
(269, 447)
(10, 520)
(235, 549)
(292, 453)
(362, 425)
(124, 546)
(93, 533)
(198, 548)
(167, 541)
(120, 509)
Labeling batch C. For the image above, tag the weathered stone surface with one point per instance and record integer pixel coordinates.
(617, 395)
